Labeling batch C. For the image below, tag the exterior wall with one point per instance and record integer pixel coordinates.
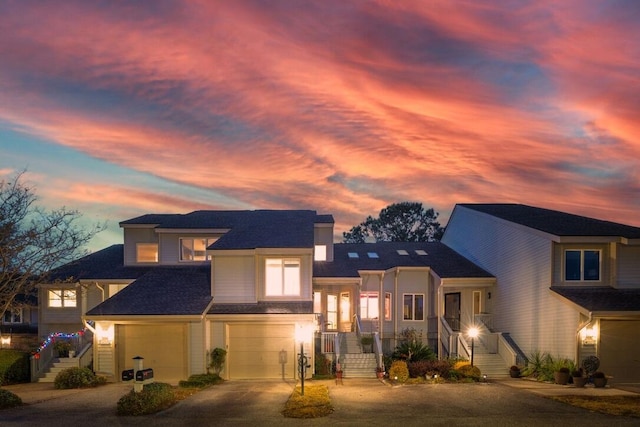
(170, 247)
(233, 279)
(412, 282)
(628, 266)
(323, 235)
(521, 260)
(137, 235)
(197, 350)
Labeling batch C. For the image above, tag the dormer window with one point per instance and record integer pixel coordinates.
(581, 265)
(195, 248)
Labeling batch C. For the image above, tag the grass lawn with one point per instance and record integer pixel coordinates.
(314, 404)
(612, 405)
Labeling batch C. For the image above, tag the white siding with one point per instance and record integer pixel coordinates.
(628, 266)
(197, 351)
(234, 279)
(522, 263)
(412, 282)
(323, 235)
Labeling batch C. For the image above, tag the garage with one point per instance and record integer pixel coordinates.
(163, 347)
(255, 350)
(620, 350)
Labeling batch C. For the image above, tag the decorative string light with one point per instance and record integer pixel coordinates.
(52, 339)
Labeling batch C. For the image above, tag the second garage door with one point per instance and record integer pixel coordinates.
(162, 346)
(255, 350)
(619, 350)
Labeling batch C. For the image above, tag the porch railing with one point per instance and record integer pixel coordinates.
(328, 342)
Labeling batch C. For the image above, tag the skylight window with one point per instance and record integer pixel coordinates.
(372, 255)
(402, 252)
(353, 255)
(421, 252)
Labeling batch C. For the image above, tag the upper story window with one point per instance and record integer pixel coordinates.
(413, 307)
(62, 298)
(12, 315)
(320, 253)
(147, 252)
(195, 249)
(581, 265)
(387, 306)
(282, 277)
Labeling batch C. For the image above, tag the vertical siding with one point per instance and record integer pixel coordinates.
(628, 266)
(197, 351)
(522, 263)
(234, 279)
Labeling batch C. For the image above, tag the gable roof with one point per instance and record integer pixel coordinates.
(601, 299)
(247, 229)
(161, 291)
(107, 263)
(440, 258)
(555, 222)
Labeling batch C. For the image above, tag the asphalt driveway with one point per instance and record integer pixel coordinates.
(356, 402)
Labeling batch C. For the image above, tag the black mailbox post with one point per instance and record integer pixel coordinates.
(127, 375)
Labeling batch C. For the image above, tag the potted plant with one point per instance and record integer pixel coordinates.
(62, 348)
(380, 372)
(599, 379)
(367, 343)
(514, 371)
(561, 376)
(579, 380)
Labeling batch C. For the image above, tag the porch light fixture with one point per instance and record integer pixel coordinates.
(5, 341)
(589, 335)
(473, 333)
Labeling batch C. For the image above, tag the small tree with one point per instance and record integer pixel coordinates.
(217, 357)
(399, 222)
(33, 241)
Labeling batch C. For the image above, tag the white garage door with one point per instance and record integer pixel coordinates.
(620, 350)
(163, 347)
(255, 351)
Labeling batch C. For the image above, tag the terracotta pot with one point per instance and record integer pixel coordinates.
(514, 373)
(599, 382)
(380, 374)
(579, 382)
(561, 378)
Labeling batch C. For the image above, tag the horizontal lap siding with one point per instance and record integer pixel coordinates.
(628, 266)
(234, 279)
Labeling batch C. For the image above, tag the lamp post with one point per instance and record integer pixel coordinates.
(473, 333)
(302, 335)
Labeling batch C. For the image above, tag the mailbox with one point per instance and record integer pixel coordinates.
(127, 375)
(144, 374)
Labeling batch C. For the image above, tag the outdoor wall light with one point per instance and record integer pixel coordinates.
(589, 335)
(104, 333)
(5, 341)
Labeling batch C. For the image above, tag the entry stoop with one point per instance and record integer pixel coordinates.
(59, 364)
(491, 365)
(359, 365)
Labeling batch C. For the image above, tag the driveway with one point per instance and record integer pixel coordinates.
(239, 403)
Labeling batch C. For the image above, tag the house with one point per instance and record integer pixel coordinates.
(248, 282)
(565, 284)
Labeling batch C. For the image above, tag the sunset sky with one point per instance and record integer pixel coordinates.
(123, 108)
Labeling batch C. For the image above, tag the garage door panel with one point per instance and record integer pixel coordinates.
(619, 349)
(254, 350)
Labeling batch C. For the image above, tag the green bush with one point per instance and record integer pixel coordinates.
(77, 378)
(153, 398)
(8, 399)
(14, 367)
(429, 367)
(471, 372)
(413, 351)
(200, 381)
(399, 371)
(323, 365)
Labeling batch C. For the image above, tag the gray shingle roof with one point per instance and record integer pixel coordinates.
(555, 222)
(162, 291)
(601, 299)
(107, 263)
(442, 259)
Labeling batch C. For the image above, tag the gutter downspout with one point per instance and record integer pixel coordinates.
(394, 313)
(204, 331)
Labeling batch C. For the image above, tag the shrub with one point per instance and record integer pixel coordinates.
(323, 365)
(399, 371)
(9, 399)
(201, 381)
(413, 351)
(62, 347)
(217, 358)
(153, 398)
(14, 367)
(471, 372)
(429, 367)
(77, 378)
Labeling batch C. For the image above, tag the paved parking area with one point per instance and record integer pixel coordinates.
(356, 401)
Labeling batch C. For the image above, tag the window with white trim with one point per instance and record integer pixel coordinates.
(62, 298)
(369, 305)
(282, 277)
(147, 252)
(12, 315)
(387, 306)
(582, 265)
(413, 307)
(195, 248)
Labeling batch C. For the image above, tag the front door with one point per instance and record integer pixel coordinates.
(345, 312)
(452, 310)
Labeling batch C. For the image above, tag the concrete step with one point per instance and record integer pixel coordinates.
(491, 365)
(59, 364)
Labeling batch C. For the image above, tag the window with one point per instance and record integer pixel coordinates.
(332, 311)
(421, 252)
(402, 252)
(372, 255)
(147, 252)
(320, 253)
(413, 307)
(282, 277)
(317, 302)
(369, 305)
(195, 249)
(581, 265)
(353, 255)
(62, 298)
(12, 315)
(387, 306)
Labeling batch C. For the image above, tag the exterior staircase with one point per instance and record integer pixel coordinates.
(58, 365)
(353, 362)
(490, 364)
